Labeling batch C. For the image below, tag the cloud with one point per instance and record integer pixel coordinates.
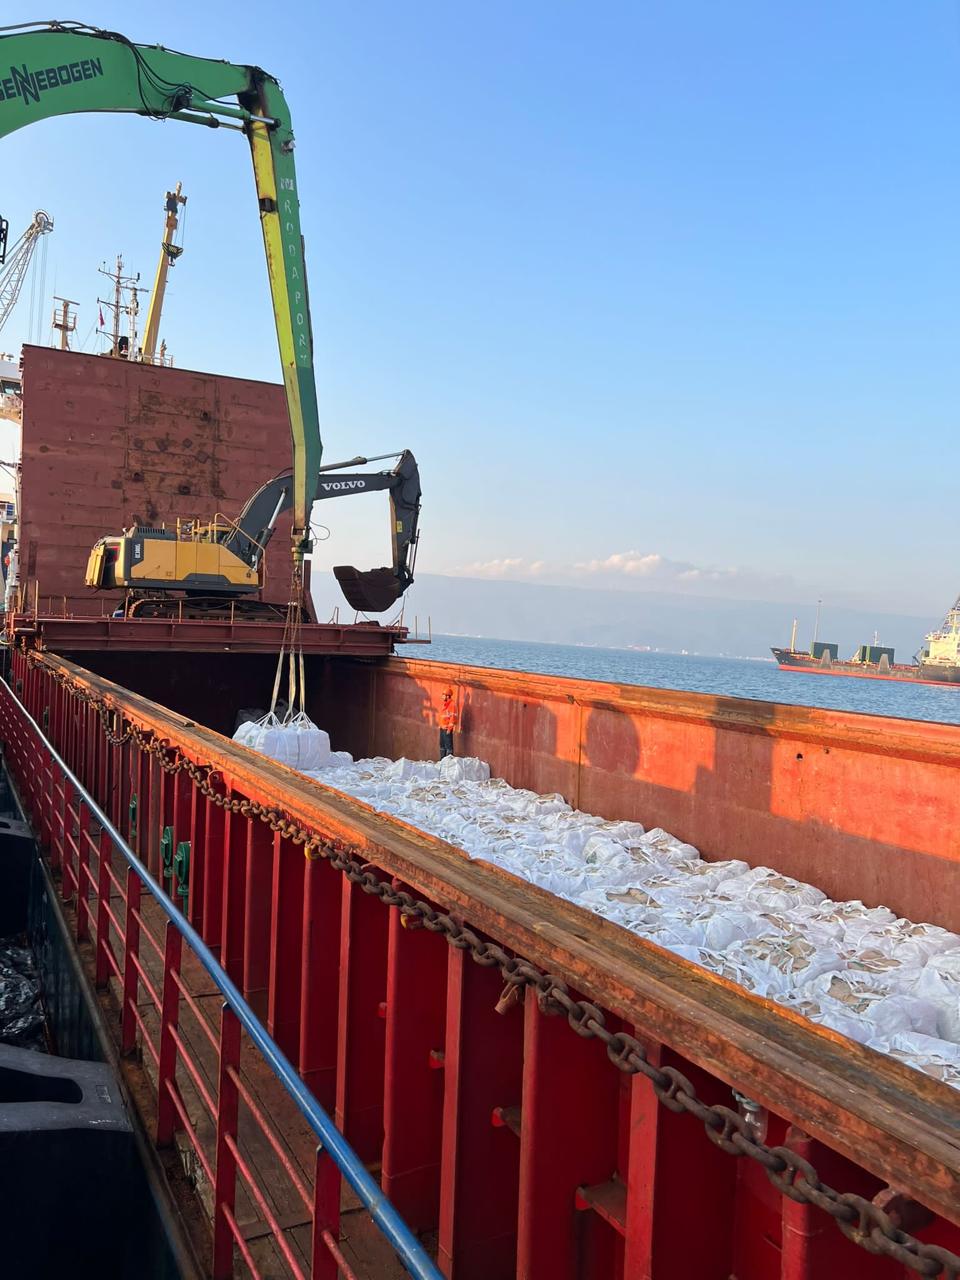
(652, 565)
(515, 567)
(629, 570)
(632, 562)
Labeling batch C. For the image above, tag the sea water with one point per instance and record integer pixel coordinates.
(731, 677)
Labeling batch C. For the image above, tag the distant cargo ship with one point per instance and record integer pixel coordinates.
(938, 662)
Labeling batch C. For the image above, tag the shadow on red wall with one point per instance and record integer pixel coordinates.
(733, 781)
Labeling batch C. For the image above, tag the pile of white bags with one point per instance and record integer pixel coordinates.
(884, 982)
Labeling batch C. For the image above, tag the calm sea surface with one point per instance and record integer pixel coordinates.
(736, 677)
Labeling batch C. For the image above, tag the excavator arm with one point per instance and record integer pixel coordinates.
(62, 68)
(371, 590)
(374, 590)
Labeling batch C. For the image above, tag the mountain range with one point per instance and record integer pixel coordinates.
(642, 619)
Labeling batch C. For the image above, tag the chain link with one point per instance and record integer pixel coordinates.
(860, 1220)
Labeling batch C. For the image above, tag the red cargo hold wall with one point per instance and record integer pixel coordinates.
(862, 806)
(107, 443)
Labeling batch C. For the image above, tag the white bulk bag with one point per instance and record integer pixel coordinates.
(297, 743)
(464, 769)
(939, 981)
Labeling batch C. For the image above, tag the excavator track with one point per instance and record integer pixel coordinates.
(183, 608)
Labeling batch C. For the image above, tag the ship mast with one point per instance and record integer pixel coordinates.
(64, 320)
(124, 347)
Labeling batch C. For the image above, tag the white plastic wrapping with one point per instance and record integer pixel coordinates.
(877, 1001)
(775, 964)
(938, 1058)
(296, 742)
(464, 769)
(939, 982)
(883, 982)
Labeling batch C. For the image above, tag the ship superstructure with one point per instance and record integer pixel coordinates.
(938, 662)
(11, 389)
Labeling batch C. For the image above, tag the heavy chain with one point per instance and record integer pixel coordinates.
(860, 1220)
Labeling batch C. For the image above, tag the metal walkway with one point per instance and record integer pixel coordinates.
(267, 1160)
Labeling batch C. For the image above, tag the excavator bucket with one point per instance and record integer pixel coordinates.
(373, 591)
(376, 590)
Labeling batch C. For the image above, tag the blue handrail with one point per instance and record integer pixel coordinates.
(408, 1248)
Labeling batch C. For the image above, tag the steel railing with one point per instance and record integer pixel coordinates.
(82, 844)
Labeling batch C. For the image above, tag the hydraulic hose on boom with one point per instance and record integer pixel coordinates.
(59, 68)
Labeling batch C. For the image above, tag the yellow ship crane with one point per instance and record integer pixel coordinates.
(170, 251)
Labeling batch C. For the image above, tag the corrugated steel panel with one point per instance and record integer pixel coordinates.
(107, 443)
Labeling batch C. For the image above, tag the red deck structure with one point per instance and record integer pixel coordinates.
(70, 635)
(107, 443)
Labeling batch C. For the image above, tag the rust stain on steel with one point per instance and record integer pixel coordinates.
(107, 442)
(864, 806)
(900, 1124)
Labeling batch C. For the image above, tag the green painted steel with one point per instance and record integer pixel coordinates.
(166, 852)
(181, 869)
(64, 68)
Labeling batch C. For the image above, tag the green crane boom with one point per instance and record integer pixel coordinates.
(61, 68)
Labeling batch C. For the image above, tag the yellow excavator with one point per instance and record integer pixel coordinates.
(213, 569)
(57, 68)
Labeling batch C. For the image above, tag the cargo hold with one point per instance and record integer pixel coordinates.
(394, 1029)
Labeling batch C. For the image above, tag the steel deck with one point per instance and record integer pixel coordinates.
(362, 1245)
(66, 634)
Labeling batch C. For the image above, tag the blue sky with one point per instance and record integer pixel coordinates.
(662, 294)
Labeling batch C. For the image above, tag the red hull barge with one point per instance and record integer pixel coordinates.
(792, 660)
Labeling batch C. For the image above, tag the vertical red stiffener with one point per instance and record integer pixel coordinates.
(414, 1077)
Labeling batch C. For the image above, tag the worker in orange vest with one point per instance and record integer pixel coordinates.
(448, 723)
